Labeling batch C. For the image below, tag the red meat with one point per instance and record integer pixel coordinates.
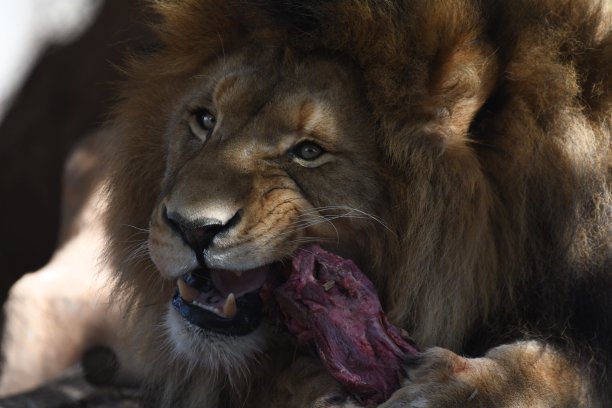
(327, 301)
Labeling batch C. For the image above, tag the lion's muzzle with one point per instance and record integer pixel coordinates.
(221, 301)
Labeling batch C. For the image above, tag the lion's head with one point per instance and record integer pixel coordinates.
(267, 151)
(253, 155)
(387, 133)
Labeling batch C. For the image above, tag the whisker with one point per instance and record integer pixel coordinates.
(144, 230)
(320, 219)
(309, 223)
(138, 254)
(348, 211)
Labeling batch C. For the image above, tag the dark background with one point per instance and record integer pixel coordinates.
(67, 95)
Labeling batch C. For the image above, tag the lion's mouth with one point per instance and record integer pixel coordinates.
(224, 302)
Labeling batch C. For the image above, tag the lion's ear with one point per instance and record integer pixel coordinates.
(461, 81)
(450, 87)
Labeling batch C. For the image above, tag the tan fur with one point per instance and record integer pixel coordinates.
(480, 136)
(539, 377)
(54, 315)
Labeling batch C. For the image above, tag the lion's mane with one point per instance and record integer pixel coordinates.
(495, 118)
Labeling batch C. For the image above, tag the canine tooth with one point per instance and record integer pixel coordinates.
(188, 293)
(229, 308)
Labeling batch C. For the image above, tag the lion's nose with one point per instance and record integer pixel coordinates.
(198, 233)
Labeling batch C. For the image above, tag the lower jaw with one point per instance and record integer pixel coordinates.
(247, 319)
(195, 349)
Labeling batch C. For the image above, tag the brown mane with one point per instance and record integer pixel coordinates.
(495, 120)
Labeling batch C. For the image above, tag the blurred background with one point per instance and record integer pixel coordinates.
(58, 71)
(27, 26)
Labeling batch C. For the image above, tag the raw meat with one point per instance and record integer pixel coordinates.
(327, 301)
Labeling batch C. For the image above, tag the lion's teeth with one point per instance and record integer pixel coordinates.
(188, 293)
(229, 308)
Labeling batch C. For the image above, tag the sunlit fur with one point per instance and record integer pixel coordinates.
(479, 133)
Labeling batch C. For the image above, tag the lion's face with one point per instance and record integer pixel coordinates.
(265, 153)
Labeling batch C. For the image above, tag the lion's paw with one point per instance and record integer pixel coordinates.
(440, 378)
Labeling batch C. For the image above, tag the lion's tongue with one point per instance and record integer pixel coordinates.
(239, 283)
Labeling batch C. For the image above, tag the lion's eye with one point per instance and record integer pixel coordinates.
(206, 120)
(203, 123)
(308, 151)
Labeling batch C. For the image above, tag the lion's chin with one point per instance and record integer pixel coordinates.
(195, 346)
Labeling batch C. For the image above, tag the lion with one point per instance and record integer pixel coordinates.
(458, 151)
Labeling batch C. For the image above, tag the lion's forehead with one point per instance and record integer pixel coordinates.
(273, 98)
